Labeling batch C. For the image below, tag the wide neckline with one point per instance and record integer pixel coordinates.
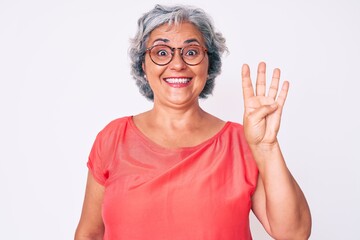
(158, 147)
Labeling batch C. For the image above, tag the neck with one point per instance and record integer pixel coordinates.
(178, 127)
(177, 118)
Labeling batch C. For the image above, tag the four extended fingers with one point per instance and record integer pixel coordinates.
(248, 90)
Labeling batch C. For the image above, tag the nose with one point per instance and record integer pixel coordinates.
(177, 63)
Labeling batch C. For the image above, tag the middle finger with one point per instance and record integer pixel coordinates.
(261, 80)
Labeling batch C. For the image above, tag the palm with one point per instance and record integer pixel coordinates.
(262, 113)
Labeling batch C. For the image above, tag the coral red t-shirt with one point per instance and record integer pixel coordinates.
(151, 192)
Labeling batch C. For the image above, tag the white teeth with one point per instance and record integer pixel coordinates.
(177, 80)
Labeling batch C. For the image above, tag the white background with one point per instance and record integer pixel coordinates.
(64, 74)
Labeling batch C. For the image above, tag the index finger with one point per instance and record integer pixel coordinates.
(248, 90)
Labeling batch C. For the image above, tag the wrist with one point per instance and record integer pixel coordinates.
(265, 147)
(267, 157)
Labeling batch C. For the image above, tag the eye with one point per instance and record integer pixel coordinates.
(161, 51)
(192, 51)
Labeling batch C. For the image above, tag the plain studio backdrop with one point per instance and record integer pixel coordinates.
(64, 73)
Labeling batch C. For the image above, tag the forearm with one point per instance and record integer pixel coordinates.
(287, 211)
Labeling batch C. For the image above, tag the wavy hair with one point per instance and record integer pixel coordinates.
(175, 15)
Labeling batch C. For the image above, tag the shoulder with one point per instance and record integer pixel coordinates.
(235, 127)
(115, 125)
(113, 129)
(235, 132)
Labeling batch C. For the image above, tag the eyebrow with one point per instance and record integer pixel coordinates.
(161, 40)
(191, 40)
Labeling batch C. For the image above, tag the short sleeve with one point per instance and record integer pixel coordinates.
(252, 171)
(103, 154)
(95, 162)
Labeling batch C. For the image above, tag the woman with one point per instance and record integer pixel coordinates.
(178, 172)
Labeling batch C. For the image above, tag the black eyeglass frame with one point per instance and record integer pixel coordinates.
(173, 53)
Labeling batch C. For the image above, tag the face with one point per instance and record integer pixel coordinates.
(176, 84)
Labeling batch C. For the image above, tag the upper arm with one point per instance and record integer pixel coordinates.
(91, 224)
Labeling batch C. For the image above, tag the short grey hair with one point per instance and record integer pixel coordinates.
(159, 15)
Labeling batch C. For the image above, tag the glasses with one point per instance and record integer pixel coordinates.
(163, 54)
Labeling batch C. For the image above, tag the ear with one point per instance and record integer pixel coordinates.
(143, 67)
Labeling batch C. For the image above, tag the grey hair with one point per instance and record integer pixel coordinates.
(159, 15)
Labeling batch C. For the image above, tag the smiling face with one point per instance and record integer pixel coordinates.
(176, 84)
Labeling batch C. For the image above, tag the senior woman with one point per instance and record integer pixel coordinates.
(178, 172)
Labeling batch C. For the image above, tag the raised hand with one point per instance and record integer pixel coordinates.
(262, 111)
